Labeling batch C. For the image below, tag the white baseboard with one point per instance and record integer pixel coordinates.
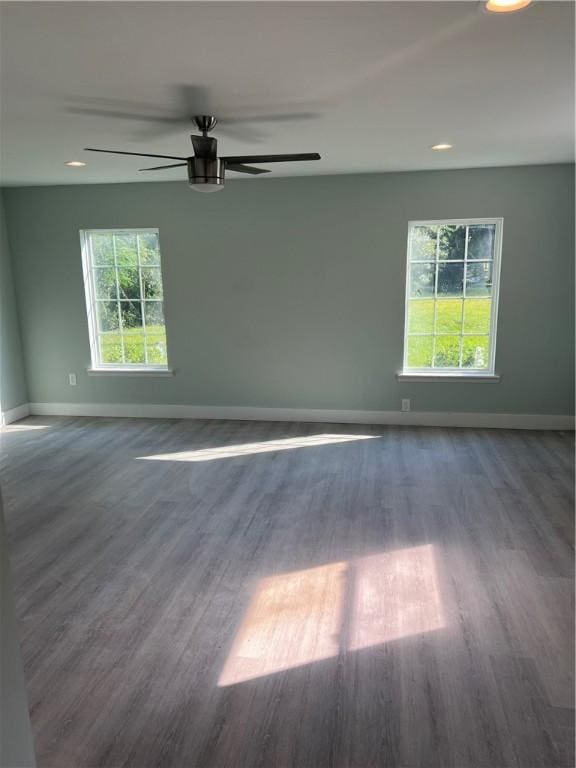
(413, 418)
(15, 414)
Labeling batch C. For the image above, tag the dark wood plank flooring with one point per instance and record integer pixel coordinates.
(266, 595)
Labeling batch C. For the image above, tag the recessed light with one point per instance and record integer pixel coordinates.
(506, 6)
(441, 147)
(75, 164)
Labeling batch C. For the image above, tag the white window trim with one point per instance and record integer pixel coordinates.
(487, 374)
(431, 375)
(96, 367)
(136, 370)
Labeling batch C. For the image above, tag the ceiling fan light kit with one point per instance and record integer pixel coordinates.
(207, 171)
(206, 175)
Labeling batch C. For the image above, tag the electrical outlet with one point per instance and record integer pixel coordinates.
(406, 404)
(72, 379)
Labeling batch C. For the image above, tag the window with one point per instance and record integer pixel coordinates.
(452, 296)
(123, 283)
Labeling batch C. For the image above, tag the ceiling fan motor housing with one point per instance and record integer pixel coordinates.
(206, 174)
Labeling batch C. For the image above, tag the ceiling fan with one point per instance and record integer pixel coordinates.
(206, 170)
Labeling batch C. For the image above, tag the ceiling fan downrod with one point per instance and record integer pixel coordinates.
(205, 123)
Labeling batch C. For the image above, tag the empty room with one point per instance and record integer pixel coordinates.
(287, 384)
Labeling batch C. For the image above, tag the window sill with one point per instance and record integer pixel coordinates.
(478, 378)
(130, 372)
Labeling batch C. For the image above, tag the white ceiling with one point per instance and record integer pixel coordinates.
(372, 85)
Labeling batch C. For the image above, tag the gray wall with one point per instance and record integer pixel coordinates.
(290, 292)
(12, 380)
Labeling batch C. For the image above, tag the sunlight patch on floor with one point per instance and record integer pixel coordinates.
(395, 595)
(307, 616)
(247, 449)
(293, 619)
(7, 428)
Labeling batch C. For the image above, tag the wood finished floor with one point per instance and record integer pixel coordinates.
(402, 601)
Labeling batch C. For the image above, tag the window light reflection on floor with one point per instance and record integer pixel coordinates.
(8, 428)
(247, 449)
(307, 616)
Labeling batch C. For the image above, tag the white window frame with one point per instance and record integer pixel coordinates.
(97, 366)
(431, 373)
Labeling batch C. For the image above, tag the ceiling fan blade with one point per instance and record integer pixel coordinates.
(204, 147)
(239, 168)
(161, 167)
(138, 154)
(270, 118)
(241, 159)
(143, 117)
